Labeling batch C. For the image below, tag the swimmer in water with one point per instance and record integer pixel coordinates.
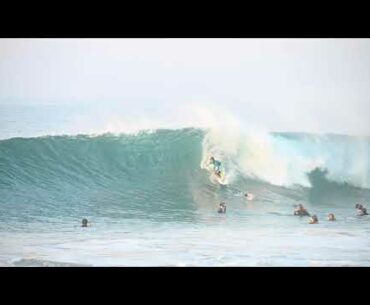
(313, 220)
(222, 208)
(331, 217)
(249, 196)
(301, 211)
(85, 223)
(361, 210)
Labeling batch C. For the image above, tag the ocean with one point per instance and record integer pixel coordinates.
(151, 202)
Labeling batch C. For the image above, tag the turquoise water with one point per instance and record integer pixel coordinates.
(151, 203)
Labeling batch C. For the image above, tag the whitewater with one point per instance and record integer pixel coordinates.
(151, 202)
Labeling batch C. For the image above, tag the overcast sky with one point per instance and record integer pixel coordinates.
(317, 85)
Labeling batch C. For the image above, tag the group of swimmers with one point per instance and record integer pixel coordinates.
(301, 211)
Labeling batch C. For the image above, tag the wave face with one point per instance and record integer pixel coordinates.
(158, 173)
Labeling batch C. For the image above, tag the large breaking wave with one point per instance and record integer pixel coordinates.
(163, 167)
(283, 159)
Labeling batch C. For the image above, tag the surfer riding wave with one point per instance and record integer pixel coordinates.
(216, 166)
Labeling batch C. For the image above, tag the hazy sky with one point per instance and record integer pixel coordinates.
(318, 85)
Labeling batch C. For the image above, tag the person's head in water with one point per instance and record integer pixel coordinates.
(358, 206)
(84, 222)
(301, 211)
(331, 217)
(299, 208)
(313, 219)
(212, 160)
(361, 211)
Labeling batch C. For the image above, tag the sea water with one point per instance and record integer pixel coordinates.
(151, 203)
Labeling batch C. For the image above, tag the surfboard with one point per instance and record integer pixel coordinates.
(221, 180)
